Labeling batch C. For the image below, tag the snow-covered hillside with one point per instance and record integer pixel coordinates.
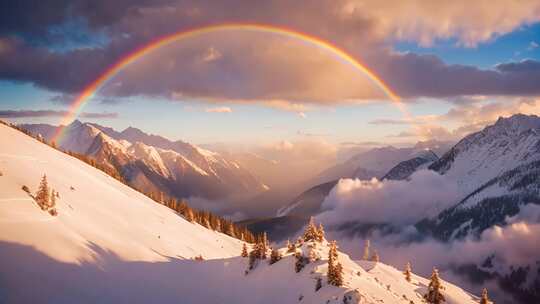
(155, 164)
(110, 244)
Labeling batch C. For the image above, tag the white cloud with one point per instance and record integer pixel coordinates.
(218, 110)
(389, 201)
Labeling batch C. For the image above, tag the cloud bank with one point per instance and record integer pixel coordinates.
(393, 202)
(265, 67)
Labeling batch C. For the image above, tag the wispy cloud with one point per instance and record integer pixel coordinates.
(51, 113)
(218, 110)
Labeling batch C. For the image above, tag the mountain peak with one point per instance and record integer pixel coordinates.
(75, 123)
(518, 123)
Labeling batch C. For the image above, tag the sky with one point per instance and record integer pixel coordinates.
(455, 66)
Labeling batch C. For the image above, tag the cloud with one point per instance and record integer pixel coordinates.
(470, 23)
(218, 110)
(51, 113)
(469, 114)
(511, 246)
(214, 67)
(211, 54)
(532, 45)
(382, 121)
(388, 201)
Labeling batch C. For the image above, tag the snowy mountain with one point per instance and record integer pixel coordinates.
(498, 169)
(405, 168)
(110, 244)
(386, 162)
(378, 161)
(153, 163)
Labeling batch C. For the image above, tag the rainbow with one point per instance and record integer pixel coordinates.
(89, 91)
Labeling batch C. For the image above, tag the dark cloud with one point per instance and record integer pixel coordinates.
(413, 75)
(51, 113)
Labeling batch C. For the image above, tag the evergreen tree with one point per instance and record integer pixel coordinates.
(365, 256)
(434, 295)
(244, 251)
(320, 233)
(52, 202)
(275, 256)
(375, 258)
(311, 255)
(485, 299)
(253, 257)
(338, 274)
(311, 232)
(264, 246)
(190, 217)
(407, 272)
(332, 257)
(42, 195)
(300, 262)
(318, 284)
(290, 247)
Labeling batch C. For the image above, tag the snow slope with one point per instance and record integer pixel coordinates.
(110, 244)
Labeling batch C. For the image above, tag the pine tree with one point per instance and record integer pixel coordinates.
(338, 274)
(244, 251)
(332, 257)
(318, 284)
(264, 246)
(300, 262)
(275, 256)
(365, 257)
(485, 298)
(320, 233)
(253, 257)
(375, 258)
(312, 257)
(190, 217)
(434, 295)
(42, 195)
(407, 272)
(290, 247)
(311, 232)
(52, 202)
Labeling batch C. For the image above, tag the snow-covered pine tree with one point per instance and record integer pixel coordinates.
(42, 195)
(485, 299)
(320, 233)
(434, 295)
(407, 272)
(311, 255)
(290, 247)
(264, 246)
(311, 232)
(365, 256)
(338, 281)
(332, 256)
(375, 258)
(275, 256)
(334, 247)
(244, 251)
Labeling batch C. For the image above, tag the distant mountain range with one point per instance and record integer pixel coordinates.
(497, 170)
(382, 163)
(155, 164)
